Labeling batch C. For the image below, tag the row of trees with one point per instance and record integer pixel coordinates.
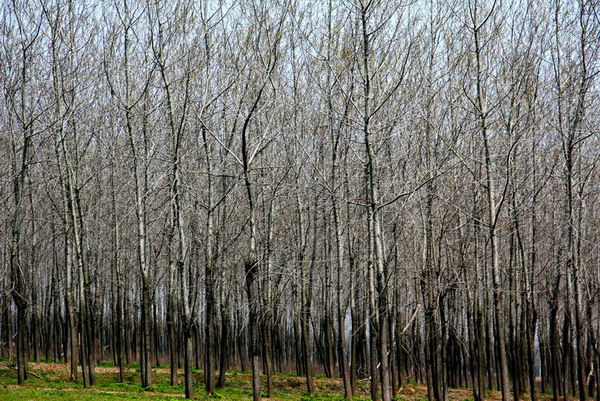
(365, 188)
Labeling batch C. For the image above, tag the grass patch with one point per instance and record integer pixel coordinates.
(53, 384)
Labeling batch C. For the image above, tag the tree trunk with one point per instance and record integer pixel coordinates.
(493, 212)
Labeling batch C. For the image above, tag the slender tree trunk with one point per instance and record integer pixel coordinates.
(377, 275)
(209, 277)
(251, 265)
(305, 299)
(20, 171)
(118, 289)
(493, 212)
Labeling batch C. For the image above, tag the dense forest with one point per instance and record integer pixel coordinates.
(375, 190)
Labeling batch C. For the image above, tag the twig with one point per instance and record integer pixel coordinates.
(29, 373)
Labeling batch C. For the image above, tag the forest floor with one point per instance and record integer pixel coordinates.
(52, 384)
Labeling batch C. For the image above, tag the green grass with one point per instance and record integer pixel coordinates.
(25, 393)
(53, 384)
